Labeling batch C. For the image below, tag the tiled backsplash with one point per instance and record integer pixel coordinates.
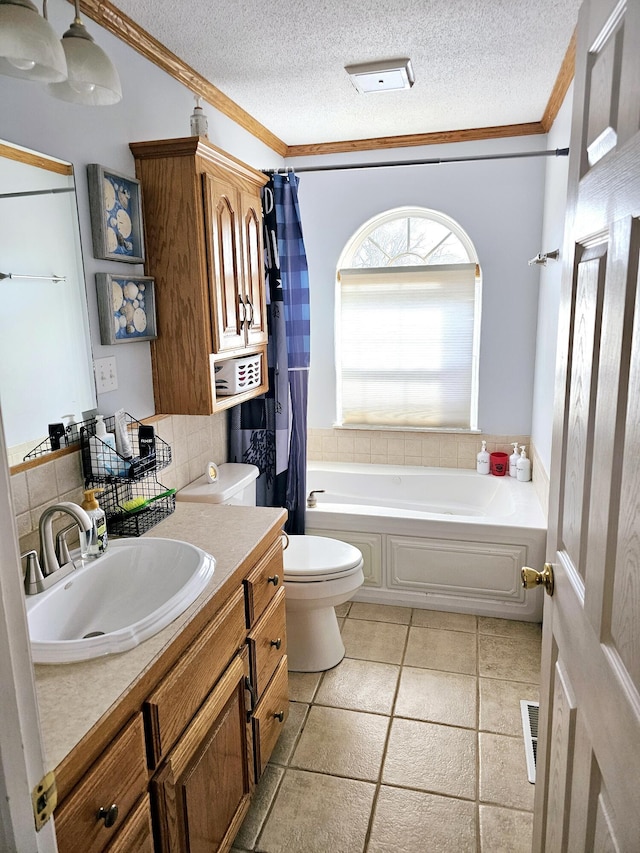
(386, 447)
(194, 441)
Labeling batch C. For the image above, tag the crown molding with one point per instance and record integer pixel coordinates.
(116, 22)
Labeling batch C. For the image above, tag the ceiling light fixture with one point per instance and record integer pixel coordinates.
(29, 46)
(92, 78)
(385, 76)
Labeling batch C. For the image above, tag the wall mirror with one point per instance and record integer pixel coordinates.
(46, 364)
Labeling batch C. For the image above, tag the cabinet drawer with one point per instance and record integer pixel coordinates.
(173, 703)
(268, 642)
(270, 715)
(119, 777)
(136, 833)
(263, 582)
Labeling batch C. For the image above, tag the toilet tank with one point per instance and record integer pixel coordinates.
(235, 484)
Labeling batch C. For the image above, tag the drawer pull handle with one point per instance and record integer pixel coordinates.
(109, 816)
(254, 697)
(274, 579)
(277, 643)
(279, 715)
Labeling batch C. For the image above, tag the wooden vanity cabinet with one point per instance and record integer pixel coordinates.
(204, 246)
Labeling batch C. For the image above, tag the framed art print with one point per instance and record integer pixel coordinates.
(127, 308)
(116, 215)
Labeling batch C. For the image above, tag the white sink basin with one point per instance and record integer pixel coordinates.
(113, 603)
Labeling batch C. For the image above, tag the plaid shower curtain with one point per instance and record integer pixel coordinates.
(271, 431)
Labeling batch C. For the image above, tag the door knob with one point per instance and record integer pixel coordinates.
(531, 578)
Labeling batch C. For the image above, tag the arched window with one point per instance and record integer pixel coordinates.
(408, 322)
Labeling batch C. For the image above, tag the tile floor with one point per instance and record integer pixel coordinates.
(413, 743)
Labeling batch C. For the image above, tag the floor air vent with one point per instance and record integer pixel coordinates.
(529, 712)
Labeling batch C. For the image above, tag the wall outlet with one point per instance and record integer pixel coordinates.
(106, 374)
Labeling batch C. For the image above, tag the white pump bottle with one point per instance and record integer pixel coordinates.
(523, 467)
(482, 463)
(513, 460)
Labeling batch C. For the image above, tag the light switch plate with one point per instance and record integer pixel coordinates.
(106, 374)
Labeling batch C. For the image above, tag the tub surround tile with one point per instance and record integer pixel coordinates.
(432, 648)
(318, 813)
(359, 685)
(376, 641)
(430, 757)
(342, 743)
(403, 820)
(437, 697)
(500, 705)
(505, 830)
(503, 772)
(508, 659)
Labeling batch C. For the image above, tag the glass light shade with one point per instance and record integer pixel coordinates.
(92, 78)
(29, 46)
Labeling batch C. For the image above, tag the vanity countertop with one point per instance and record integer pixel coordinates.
(72, 698)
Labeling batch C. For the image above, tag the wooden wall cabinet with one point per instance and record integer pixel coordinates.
(203, 237)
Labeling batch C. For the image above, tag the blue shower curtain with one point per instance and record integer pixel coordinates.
(271, 431)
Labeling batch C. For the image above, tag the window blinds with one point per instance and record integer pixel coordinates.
(406, 345)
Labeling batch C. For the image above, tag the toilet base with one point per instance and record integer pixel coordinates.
(313, 639)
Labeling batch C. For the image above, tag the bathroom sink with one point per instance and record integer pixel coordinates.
(116, 601)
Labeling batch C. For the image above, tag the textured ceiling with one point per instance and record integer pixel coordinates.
(477, 63)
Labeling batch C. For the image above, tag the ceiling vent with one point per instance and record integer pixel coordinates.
(387, 76)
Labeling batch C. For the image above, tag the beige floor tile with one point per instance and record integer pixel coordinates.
(440, 619)
(503, 772)
(509, 659)
(286, 743)
(315, 813)
(438, 759)
(510, 628)
(404, 820)
(380, 613)
(359, 686)
(303, 685)
(500, 705)
(377, 641)
(343, 609)
(438, 697)
(505, 830)
(342, 743)
(259, 808)
(431, 648)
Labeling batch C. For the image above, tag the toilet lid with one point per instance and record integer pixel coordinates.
(309, 558)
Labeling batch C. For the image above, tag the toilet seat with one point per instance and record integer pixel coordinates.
(317, 558)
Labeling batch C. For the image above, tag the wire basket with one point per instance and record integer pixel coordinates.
(121, 522)
(105, 465)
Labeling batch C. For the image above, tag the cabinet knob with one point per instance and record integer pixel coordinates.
(279, 715)
(274, 579)
(277, 643)
(109, 816)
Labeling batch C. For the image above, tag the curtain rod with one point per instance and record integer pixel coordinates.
(555, 152)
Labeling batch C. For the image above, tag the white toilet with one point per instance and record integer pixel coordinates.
(319, 573)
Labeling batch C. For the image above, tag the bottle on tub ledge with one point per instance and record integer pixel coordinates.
(482, 464)
(513, 460)
(523, 468)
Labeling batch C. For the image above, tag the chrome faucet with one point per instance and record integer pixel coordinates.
(312, 500)
(42, 574)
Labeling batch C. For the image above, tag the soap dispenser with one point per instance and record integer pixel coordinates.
(482, 464)
(102, 450)
(513, 460)
(523, 468)
(94, 543)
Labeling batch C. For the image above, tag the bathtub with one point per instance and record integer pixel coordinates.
(435, 538)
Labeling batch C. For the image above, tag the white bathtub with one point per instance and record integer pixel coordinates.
(436, 538)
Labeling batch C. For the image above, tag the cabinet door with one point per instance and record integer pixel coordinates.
(224, 257)
(253, 269)
(202, 791)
